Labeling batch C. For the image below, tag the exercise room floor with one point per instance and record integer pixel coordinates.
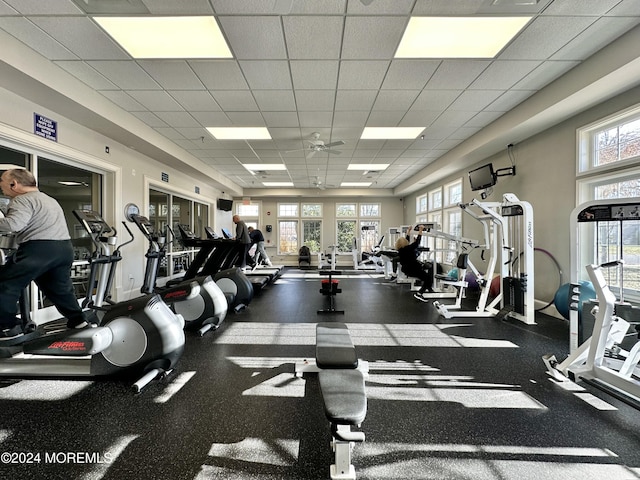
(447, 399)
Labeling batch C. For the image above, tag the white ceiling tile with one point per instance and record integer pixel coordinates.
(219, 74)
(311, 37)
(150, 119)
(38, 7)
(178, 119)
(509, 100)
(5, 9)
(172, 74)
(86, 74)
(447, 7)
(409, 74)
(355, 100)
(385, 118)
(314, 119)
(155, 100)
(212, 119)
(452, 118)
(350, 119)
(314, 75)
(483, 119)
(626, 8)
(544, 74)
(195, 100)
(503, 74)
(28, 33)
(362, 75)
(174, 7)
(126, 75)
(194, 134)
(267, 75)
(580, 7)
(601, 32)
(395, 99)
(275, 100)
(435, 99)
(81, 36)
(265, 42)
(246, 119)
(456, 74)
(315, 100)
(123, 100)
(372, 37)
(281, 119)
(172, 134)
(544, 36)
(381, 7)
(235, 100)
(475, 100)
(417, 118)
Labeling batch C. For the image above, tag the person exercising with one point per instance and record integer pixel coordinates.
(411, 267)
(242, 235)
(44, 253)
(258, 238)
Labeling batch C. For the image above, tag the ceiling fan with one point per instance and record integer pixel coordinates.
(316, 145)
(319, 184)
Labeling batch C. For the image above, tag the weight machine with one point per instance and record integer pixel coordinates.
(508, 234)
(601, 230)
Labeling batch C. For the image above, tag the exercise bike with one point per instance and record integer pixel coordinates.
(140, 338)
(204, 311)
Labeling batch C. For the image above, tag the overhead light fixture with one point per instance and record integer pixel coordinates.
(239, 133)
(355, 184)
(391, 133)
(458, 37)
(368, 167)
(256, 167)
(277, 184)
(167, 37)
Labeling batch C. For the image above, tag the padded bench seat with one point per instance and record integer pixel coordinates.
(334, 348)
(343, 392)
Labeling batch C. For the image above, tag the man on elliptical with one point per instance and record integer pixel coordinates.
(44, 254)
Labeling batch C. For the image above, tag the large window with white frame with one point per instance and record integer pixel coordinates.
(299, 224)
(444, 211)
(608, 168)
(312, 226)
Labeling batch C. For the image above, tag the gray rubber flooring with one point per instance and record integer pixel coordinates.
(447, 399)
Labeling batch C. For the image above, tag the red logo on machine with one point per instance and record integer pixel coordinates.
(176, 294)
(67, 346)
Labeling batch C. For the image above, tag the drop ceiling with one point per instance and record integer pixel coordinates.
(307, 67)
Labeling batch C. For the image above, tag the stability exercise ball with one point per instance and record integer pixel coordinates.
(561, 299)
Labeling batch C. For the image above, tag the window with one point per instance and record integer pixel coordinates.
(311, 234)
(369, 235)
(421, 204)
(346, 232)
(435, 199)
(245, 210)
(444, 211)
(288, 237)
(607, 164)
(346, 210)
(369, 209)
(168, 209)
(312, 210)
(288, 210)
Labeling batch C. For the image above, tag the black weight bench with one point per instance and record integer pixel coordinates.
(329, 288)
(342, 383)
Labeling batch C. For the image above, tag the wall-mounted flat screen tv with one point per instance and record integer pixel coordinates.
(482, 177)
(225, 205)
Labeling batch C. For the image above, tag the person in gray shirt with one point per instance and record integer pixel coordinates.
(44, 253)
(242, 236)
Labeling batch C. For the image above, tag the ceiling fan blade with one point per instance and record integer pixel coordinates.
(335, 152)
(333, 144)
(296, 150)
(311, 154)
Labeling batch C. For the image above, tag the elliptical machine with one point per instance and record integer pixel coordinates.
(205, 311)
(134, 337)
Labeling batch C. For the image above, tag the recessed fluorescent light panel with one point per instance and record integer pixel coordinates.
(277, 184)
(167, 37)
(355, 184)
(458, 37)
(368, 166)
(264, 166)
(240, 133)
(391, 133)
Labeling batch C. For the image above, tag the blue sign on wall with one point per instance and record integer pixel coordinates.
(45, 127)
